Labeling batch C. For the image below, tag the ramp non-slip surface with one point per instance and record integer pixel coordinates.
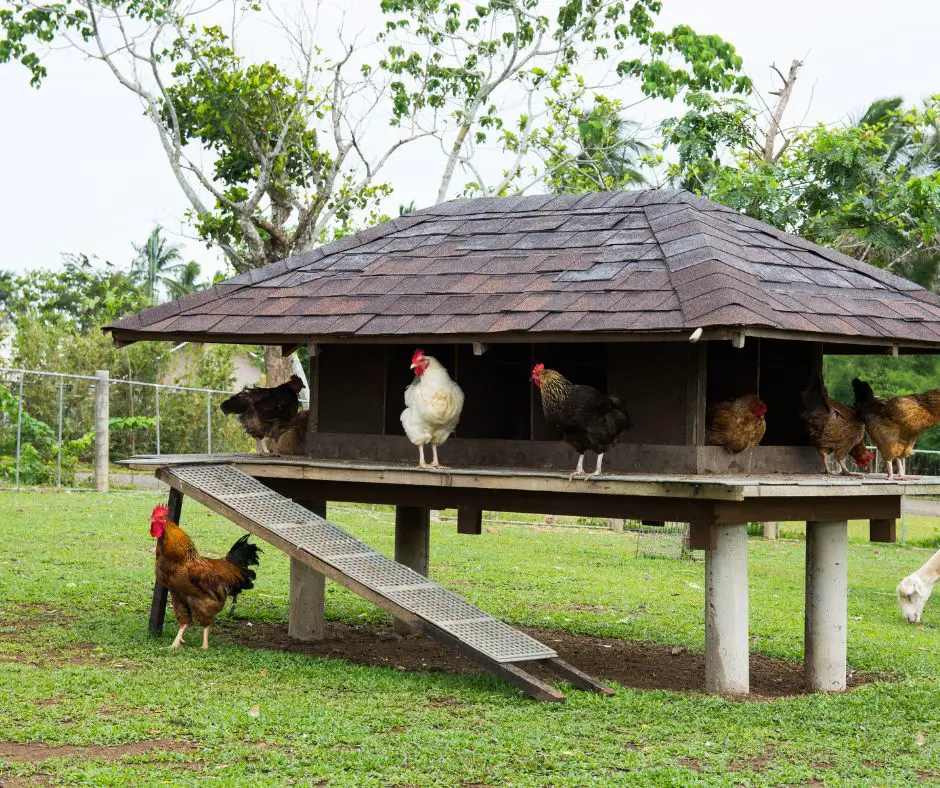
(354, 558)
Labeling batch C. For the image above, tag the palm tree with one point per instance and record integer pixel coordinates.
(610, 147)
(157, 264)
(185, 280)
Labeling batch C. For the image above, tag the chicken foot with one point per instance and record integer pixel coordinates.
(435, 462)
(178, 641)
(597, 470)
(846, 472)
(901, 475)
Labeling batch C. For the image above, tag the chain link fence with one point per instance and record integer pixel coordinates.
(53, 425)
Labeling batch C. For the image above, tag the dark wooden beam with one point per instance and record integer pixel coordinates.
(469, 520)
(702, 536)
(291, 347)
(160, 593)
(883, 530)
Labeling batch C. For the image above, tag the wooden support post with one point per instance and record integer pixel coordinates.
(882, 530)
(726, 612)
(158, 603)
(826, 604)
(695, 395)
(469, 520)
(771, 530)
(305, 618)
(617, 524)
(412, 544)
(102, 439)
(702, 536)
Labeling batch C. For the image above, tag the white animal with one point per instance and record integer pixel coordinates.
(914, 590)
(433, 403)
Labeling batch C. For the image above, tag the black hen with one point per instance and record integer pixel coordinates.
(588, 418)
(265, 412)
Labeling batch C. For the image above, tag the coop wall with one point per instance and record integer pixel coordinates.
(666, 388)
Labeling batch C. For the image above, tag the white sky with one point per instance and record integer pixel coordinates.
(83, 170)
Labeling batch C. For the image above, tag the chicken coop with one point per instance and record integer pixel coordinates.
(611, 290)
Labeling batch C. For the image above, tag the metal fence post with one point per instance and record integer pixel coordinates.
(19, 430)
(102, 439)
(209, 423)
(156, 401)
(58, 481)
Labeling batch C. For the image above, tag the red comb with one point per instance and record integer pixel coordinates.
(538, 368)
(159, 512)
(418, 354)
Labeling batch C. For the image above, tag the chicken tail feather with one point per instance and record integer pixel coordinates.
(244, 555)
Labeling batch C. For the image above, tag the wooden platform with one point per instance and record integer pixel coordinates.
(700, 499)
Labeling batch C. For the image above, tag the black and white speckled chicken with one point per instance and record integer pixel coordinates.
(589, 419)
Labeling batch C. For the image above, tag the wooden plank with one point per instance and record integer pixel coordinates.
(835, 507)
(577, 677)
(702, 536)
(160, 593)
(313, 381)
(883, 530)
(575, 504)
(696, 380)
(469, 520)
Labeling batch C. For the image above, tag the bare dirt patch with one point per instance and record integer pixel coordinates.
(35, 752)
(637, 665)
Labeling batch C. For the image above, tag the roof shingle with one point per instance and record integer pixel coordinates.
(648, 261)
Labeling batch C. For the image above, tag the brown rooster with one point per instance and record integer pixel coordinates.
(738, 424)
(895, 424)
(833, 428)
(588, 418)
(265, 412)
(198, 586)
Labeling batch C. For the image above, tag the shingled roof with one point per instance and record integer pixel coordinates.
(646, 263)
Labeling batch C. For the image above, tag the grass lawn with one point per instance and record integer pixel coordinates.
(86, 696)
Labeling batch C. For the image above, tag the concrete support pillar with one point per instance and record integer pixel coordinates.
(102, 439)
(826, 604)
(771, 530)
(305, 618)
(412, 543)
(726, 612)
(617, 524)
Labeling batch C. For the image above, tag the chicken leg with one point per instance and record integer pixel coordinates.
(178, 641)
(422, 463)
(259, 446)
(597, 470)
(902, 476)
(579, 471)
(846, 472)
(205, 637)
(435, 463)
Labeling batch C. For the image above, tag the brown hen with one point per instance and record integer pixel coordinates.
(833, 427)
(895, 424)
(738, 424)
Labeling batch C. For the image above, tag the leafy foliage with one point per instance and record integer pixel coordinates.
(870, 189)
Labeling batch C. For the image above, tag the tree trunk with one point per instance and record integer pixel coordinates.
(277, 369)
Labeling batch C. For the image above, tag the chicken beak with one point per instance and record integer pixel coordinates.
(412, 366)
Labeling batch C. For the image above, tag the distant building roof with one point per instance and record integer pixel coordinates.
(619, 264)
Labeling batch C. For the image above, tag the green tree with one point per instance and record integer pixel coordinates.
(81, 296)
(157, 265)
(186, 280)
(871, 190)
(593, 150)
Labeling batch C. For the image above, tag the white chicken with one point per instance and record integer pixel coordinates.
(433, 403)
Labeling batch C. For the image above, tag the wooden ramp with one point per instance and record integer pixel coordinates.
(403, 592)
